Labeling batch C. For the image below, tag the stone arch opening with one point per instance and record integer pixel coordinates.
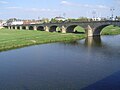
(5, 27)
(31, 28)
(40, 28)
(13, 27)
(99, 29)
(23, 27)
(18, 27)
(75, 29)
(79, 30)
(53, 29)
(71, 28)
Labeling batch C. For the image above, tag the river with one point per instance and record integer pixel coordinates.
(90, 64)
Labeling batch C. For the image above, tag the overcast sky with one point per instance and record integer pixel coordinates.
(32, 9)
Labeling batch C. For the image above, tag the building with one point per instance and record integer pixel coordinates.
(17, 23)
(3, 22)
(60, 18)
(32, 22)
(96, 19)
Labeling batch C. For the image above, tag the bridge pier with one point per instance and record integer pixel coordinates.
(9, 27)
(27, 27)
(20, 27)
(35, 28)
(46, 28)
(89, 31)
(15, 27)
(63, 29)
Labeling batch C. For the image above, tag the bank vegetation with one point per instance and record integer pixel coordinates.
(10, 39)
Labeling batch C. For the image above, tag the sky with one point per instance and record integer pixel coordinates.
(38, 9)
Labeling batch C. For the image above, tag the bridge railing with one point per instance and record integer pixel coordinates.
(67, 22)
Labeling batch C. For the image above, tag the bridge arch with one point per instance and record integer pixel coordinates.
(13, 27)
(23, 27)
(5, 27)
(18, 27)
(98, 30)
(75, 29)
(70, 29)
(31, 28)
(41, 28)
(53, 28)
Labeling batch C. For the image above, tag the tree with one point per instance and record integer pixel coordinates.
(53, 20)
(83, 19)
(45, 20)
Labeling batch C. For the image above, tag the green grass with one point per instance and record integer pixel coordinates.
(80, 29)
(111, 30)
(10, 39)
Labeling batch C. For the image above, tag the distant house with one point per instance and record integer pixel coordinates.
(17, 23)
(3, 22)
(96, 19)
(60, 18)
(32, 22)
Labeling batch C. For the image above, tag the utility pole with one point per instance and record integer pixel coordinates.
(64, 15)
(112, 11)
(94, 15)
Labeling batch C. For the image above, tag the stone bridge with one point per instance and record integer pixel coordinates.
(92, 28)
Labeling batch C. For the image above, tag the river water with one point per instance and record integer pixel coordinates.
(90, 64)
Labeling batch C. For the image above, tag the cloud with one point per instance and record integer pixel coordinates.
(32, 9)
(13, 7)
(3, 2)
(69, 3)
(40, 10)
(102, 7)
(66, 3)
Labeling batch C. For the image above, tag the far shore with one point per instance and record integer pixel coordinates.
(11, 39)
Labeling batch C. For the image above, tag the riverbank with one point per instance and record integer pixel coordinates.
(10, 39)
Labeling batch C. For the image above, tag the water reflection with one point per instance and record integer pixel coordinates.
(88, 42)
(93, 41)
(72, 43)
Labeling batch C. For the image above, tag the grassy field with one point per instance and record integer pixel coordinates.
(111, 30)
(10, 39)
